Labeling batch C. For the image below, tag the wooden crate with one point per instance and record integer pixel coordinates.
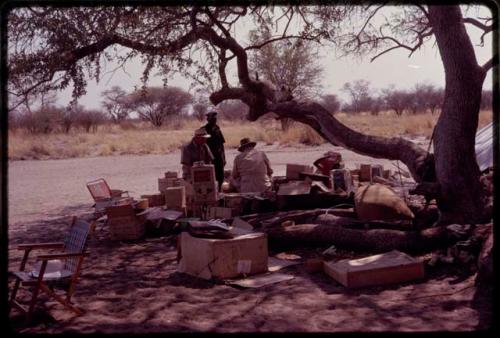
(293, 170)
(388, 268)
(223, 258)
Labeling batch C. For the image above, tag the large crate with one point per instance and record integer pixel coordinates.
(208, 258)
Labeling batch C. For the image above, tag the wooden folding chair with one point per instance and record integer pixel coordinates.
(104, 196)
(54, 270)
(100, 190)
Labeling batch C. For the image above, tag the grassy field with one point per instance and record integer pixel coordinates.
(139, 138)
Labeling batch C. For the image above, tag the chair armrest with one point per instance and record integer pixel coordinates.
(61, 256)
(52, 245)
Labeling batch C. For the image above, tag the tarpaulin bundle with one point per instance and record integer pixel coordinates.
(484, 147)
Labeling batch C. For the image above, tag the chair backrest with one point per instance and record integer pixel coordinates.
(76, 240)
(99, 189)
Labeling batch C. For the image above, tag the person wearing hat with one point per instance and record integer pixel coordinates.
(251, 169)
(216, 145)
(195, 151)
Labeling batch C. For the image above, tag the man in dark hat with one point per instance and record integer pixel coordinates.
(216, 145)
(251, 169)
(195, 151)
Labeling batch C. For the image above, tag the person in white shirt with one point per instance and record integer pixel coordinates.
(252, 169)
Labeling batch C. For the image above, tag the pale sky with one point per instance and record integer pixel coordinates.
(395, 67)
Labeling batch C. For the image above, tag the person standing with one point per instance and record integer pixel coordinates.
(252, 169)
(216, 145)
(195, 151)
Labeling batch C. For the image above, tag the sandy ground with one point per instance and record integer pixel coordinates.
(134, 287)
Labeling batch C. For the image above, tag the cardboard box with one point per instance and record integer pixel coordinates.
(294, 188)
(293, 170)
(124, 210)
(155, 200)
(125, 228)
(220, 212)
(377, 170)
(175, 197)
(123, 223)
(365, 173)
(341, 179)
(200, 210)
(164, 183)
(387, 268)
(387, 173)
(208, 258)
(171, 174)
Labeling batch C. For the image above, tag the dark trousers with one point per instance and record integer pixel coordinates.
(219, 171)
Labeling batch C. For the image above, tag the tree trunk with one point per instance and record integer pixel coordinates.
(376, 240)
(460, 199)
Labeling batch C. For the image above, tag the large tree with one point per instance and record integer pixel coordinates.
(55, 47)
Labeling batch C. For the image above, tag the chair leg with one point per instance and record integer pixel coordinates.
(14, 293)
(31, 307)
(65, 302)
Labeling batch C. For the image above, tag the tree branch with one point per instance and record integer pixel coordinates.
(259, 46)
(478, 24)
(490, 63)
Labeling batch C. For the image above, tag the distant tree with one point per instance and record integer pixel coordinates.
(201, 103)
(233, 110)
(13, 119)
(89, 120)
(43, 120)
(199, 110)
(115, 103)
(155, 104)
(376, 106)
(359, 93)
(395, 99)
(427, 97)
(68, 118)
(330, 102)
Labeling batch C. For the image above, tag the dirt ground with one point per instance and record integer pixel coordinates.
(133, 287)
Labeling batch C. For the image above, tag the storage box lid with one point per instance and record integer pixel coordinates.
(385, 260)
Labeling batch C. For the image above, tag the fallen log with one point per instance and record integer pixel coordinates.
(376, 240)
(349, 222)
(278, 217)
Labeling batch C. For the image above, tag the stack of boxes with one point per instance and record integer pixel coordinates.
(204, 189)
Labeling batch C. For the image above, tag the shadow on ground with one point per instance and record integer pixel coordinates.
(134, 287)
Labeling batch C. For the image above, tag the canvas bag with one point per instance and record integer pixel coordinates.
(379, 202)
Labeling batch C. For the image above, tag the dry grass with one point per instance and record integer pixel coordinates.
(388, 124)
(140, 138)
